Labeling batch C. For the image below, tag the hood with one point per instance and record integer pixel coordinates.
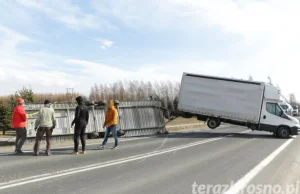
(293, 119)
(47, 105)
(79, 100)
(111, 103)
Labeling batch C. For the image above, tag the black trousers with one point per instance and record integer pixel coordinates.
(79, 132)
(21, 135)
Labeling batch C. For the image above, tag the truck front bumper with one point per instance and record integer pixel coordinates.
(295, 129)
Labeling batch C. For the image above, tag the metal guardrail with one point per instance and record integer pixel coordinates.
(135, 118)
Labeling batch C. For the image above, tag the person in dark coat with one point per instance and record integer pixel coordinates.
(81, 120)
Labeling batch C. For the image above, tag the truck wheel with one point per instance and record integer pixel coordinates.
(213, 123)
(283, 132)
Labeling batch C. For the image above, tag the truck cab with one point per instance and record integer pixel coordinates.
(295, 110)
(274, 118)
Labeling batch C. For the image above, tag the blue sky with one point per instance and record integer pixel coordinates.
(52, 45)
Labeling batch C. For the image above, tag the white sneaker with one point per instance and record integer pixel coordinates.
(101, 147)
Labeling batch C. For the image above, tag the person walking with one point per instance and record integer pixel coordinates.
(111, 122)
(19, 124)
(45, 123)
(81, 121)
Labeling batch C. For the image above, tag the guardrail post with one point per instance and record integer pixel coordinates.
(68, 120)
(95, 120)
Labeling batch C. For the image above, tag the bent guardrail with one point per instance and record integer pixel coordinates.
(135, 118)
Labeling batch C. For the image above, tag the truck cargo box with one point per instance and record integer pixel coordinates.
(221, 97)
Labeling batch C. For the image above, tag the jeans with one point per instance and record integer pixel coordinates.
(21, 135)
(79, 132)
(39, 135)
(112, 129)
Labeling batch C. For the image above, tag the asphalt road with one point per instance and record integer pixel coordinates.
(174, 163)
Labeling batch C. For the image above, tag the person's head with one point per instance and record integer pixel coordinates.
(111, 104)
(79, 100)
(21, 101)
(47, 102)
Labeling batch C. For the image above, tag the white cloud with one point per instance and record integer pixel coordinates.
(68, 13)
(35, 69)
(267, 30)
(104, 43)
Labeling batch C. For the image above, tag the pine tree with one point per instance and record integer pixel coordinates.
(5, 115)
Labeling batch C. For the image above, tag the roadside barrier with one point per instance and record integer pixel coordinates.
(135, 118)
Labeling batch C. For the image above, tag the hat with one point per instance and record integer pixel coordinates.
(47, 102)
(20, 100)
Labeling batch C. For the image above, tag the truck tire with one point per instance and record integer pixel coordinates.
(213, 123)
(283, 132)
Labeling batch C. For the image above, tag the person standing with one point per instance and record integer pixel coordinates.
(111, 122)
(45, 123)
(19, 124)
(81, 121)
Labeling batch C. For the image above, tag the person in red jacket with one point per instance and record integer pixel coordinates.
(19, 124)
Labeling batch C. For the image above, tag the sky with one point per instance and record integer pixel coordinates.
(51, 45)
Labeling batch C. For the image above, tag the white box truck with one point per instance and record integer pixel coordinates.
(245, 103)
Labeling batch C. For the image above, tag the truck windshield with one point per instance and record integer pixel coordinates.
(274, 109)
(295, 107)
(284, 106)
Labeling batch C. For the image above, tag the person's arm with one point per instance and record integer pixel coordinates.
(106, 120)
(37, 121)
(116, 115)
(77, 114)
(87, 116)
(53, 120)
(23, 115)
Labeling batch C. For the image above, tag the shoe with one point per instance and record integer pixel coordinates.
(48, 154)
(74, 153)
(19, 152)
(35, 154)
(101, 147)
(115, 147)
(83, 152)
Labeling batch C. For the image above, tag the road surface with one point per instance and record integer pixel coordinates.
(174, 163)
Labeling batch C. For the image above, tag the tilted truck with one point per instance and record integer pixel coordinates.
(245, 103)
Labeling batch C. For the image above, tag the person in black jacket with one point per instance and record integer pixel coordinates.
(81, 120)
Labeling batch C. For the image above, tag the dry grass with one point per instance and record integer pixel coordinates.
(192, 123)
(183, 121)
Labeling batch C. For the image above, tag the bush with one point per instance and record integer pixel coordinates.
(5, 115)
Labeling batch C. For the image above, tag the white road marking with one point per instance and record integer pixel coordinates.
(48, 176)
(244, 181)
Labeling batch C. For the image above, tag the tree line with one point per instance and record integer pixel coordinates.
(135, 90)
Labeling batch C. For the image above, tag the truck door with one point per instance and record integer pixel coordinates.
(271, 117)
